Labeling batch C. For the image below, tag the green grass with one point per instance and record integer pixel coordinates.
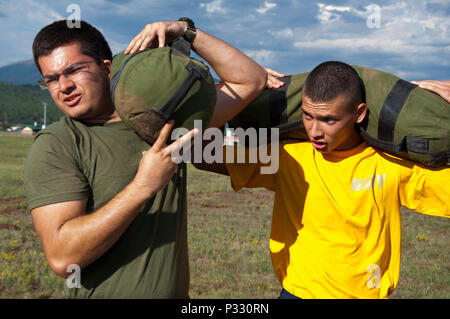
(228, 241)
(24, 272)
(13, 151)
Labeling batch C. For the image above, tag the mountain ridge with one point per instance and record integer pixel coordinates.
(21, 73)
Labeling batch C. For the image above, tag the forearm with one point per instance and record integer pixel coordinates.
(218, 168)
(85, 238)
(230, 64)
(242, 79)
(70, 236)
(425, 190)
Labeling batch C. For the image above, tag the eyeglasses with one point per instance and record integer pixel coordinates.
(72, 72)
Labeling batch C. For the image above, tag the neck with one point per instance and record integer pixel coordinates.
(351, 144)
(108, 116)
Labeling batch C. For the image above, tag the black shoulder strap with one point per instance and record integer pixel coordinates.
(195, 73)
(386, 126)
(278, 103)
(182, 46)
(391, 109)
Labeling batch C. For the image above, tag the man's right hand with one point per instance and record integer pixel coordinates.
(157, 166)
(156, 35)
(70, 235)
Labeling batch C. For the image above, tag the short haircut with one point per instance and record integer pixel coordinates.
(331, 79)
(58, 34)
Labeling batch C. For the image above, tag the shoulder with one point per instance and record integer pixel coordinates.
(66, 133)
(296, 148)
(59, 139)
(295, 144)
(59, 129)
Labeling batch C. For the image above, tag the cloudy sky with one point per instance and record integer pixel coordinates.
(408, 38)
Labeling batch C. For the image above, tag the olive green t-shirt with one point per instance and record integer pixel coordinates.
(71, 161)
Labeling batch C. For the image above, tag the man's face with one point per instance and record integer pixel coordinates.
(84, 94)
(331, 125)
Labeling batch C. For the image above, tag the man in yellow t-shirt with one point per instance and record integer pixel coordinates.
(336, 228)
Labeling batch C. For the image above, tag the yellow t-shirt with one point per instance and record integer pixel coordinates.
(336, 229)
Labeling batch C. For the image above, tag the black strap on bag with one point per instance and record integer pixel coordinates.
(182, 46)
(278, 103)
(391, 109)
(386, 125)
(153, 120)
(195, 73)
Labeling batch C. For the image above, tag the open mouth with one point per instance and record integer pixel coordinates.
(72, 100)
(319, 145)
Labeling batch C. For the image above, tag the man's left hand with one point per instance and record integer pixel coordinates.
(439, 87)
(272, 79)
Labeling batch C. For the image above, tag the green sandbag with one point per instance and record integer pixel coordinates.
(150, 87)
(403, 119)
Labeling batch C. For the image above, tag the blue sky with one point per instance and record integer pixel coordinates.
(412, 38)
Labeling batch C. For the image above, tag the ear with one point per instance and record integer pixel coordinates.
(107, 66)
(360, 113)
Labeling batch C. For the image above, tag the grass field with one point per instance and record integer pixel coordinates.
(228, 241)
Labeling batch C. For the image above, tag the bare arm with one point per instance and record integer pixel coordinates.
(71, 236)
(214, 167)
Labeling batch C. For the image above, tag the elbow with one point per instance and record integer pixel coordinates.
(256, 82)
(58, 268)
(261, 81)
(257, 85)
(62, 268)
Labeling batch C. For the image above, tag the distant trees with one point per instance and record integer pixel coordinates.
(23, 104)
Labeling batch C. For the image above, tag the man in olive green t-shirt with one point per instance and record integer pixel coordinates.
(101, 198)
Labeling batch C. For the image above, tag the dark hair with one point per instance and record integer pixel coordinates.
(331, 79)
(58, 33)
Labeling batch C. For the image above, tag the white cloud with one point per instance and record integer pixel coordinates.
(267, 6)
(214, 6)
(361, 44)
(43, 16)
(263, 57)
(286, 33)
(409, 32)
(328, 13)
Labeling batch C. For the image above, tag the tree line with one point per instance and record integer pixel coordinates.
(23, 104)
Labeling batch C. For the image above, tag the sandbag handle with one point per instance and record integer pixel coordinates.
(195, 73)
(408, 143)
(391, 109)
(182, 46)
